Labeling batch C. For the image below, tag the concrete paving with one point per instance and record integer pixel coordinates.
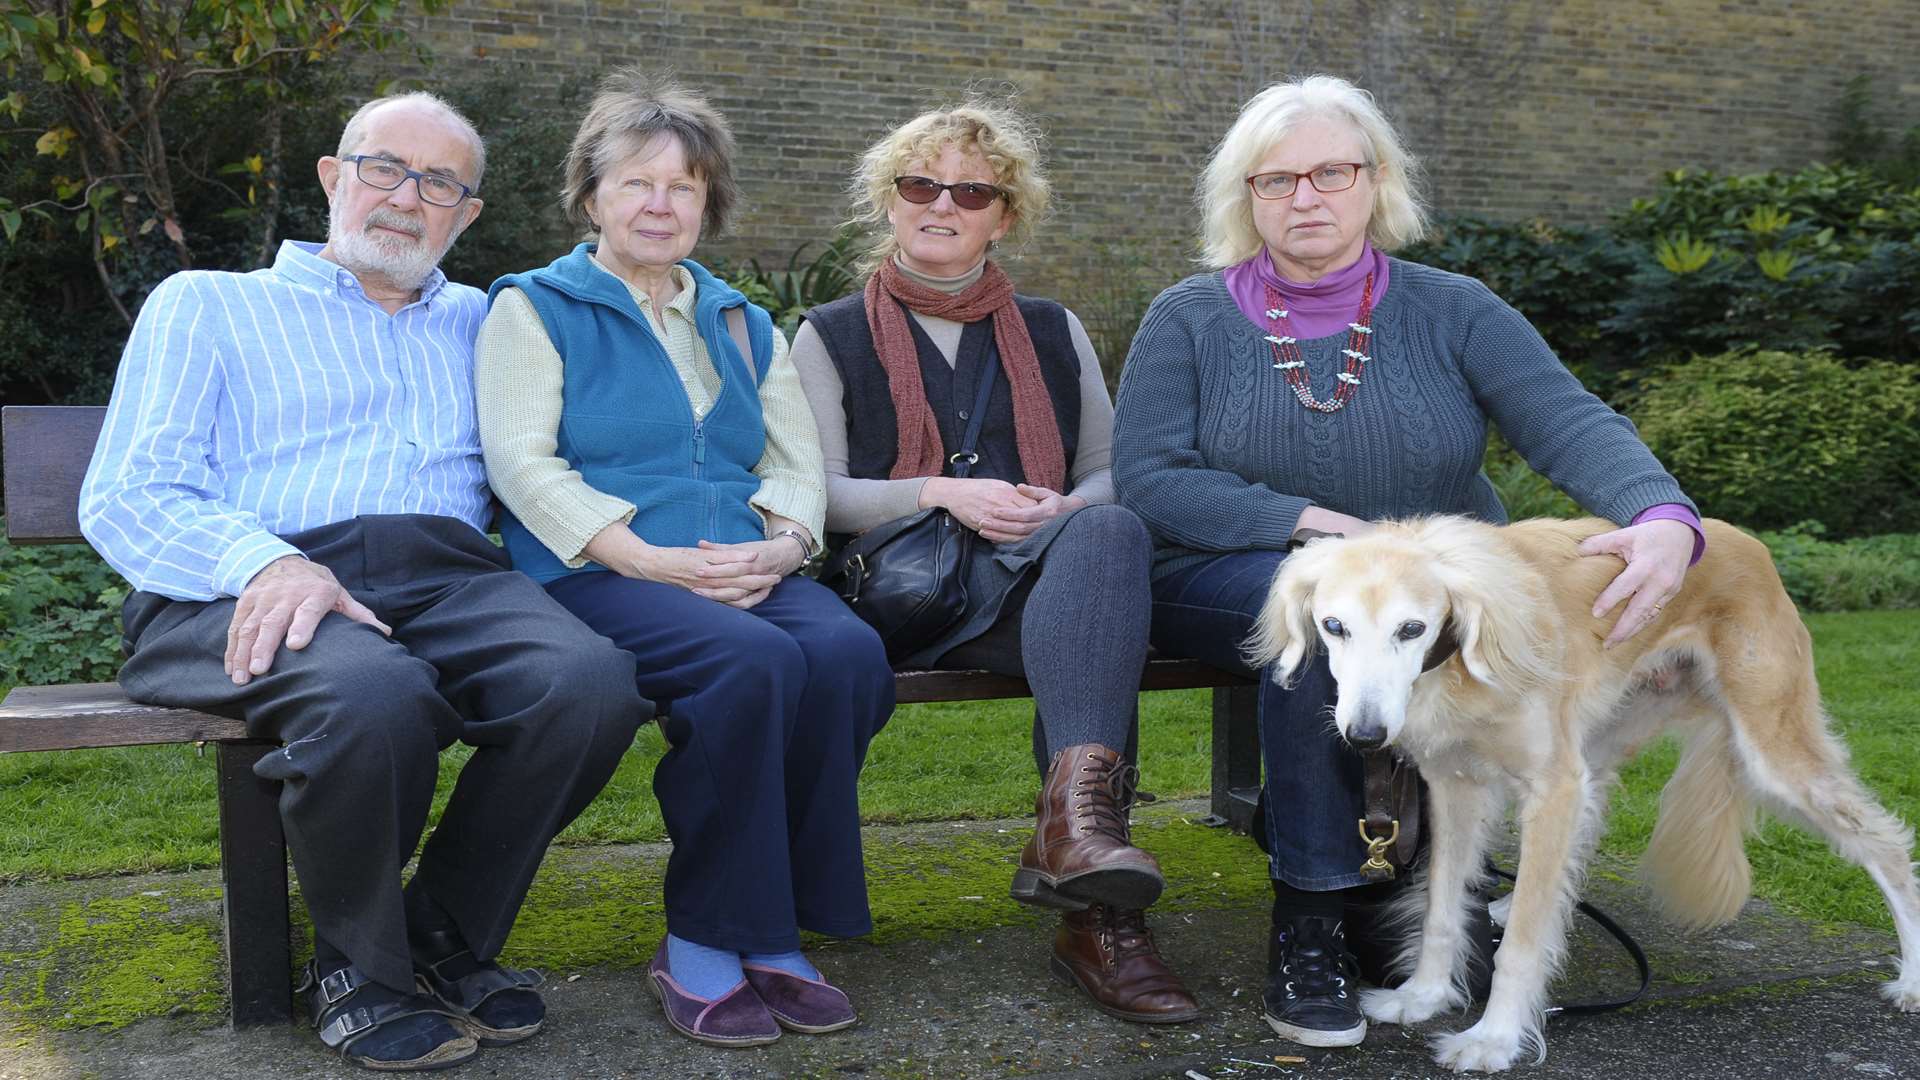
(1765, 997)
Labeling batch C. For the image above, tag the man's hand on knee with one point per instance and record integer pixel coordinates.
(283, 603)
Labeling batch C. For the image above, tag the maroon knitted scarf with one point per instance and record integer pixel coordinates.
(1036, 431)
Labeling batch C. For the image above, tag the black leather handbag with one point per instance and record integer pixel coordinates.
(907, 578)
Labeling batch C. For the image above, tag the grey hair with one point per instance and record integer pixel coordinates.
(355, 132)
(1227, 235)
(631, 110)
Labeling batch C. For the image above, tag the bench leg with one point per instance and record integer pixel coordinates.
(253, 871)
(1236, 754)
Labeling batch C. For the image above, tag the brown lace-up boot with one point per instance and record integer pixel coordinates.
(1081, 853)
(1110, 954)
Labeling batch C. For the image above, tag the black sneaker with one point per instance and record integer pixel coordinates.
(1312, 997)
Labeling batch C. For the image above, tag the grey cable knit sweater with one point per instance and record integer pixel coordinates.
(1214, 453)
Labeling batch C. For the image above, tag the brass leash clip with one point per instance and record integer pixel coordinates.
(1377, 865)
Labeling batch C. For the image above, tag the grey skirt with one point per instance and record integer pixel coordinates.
(995, 574)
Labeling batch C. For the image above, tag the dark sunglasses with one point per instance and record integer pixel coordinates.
(967, 196)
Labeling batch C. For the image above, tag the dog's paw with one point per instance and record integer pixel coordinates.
(1481, 1048)
(1406, 1005)
(1904, 991)
(1498, 910)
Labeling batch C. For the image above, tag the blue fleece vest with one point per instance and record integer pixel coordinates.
(625, 422)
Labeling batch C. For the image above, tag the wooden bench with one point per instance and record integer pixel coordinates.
(46, 452)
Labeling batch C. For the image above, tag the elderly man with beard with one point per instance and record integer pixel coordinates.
(290, 477)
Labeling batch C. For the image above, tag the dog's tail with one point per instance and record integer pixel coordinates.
(1697, 860)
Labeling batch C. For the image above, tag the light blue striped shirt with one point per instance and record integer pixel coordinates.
(250, 407)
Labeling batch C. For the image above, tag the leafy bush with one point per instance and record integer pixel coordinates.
(59, 616)
(827, 276)
(65, 330)
(1860, 207)
(1768, 439)
(806, 281)
(1820, 259)
(1869, 572)
(1817, 259)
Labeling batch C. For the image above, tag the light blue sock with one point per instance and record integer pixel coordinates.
(792, 962)
(704, 971)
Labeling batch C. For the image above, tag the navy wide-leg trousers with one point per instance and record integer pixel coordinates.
(770, 711)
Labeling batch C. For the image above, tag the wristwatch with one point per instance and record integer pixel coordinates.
(808, 556)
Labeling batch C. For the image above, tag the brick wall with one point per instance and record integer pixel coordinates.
(1526, 109)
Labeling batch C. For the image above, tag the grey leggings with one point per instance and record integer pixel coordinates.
(1077, 630)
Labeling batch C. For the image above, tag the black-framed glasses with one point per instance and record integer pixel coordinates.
(1326, 179)
(388, 174)
(967, 195)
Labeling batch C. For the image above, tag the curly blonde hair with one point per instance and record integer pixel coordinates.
(1007, 138)
(1227, 235)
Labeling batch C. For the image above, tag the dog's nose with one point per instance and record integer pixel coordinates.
(1367, 735)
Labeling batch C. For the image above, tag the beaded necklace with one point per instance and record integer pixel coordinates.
(1287, 358)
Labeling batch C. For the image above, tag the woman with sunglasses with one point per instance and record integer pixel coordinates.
(658, 463)
(1311, 384)
(1058, 593)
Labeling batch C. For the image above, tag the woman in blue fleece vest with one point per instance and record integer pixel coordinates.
(662, 478)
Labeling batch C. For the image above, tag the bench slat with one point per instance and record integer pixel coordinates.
(47, 448)
(99, 714)
(912, 687)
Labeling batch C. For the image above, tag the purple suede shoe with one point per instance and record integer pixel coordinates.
(812, 1006)
(736, 1018)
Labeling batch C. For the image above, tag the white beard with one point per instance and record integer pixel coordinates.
(405, 262)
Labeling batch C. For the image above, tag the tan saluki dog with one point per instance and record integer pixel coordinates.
(1532, 709)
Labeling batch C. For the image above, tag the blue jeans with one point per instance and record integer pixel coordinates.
(1313, 778)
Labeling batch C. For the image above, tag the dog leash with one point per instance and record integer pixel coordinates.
(1605, 922)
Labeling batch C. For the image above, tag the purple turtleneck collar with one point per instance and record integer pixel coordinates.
(1317, 309)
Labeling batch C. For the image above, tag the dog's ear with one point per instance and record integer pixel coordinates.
(1284, 631)
(1492, 614)
(1496, 635)
(1467, 621)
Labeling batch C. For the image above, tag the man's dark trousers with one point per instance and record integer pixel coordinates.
(479, 654)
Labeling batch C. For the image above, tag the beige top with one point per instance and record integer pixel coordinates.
(855, 505)
(517, 384)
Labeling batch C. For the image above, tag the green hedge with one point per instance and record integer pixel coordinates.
(1823, 259)
(1869, 572)
(1769, 439)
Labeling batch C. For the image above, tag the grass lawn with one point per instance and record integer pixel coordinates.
(149, 808)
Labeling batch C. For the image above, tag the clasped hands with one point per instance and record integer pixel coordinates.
(737, 575)
(1001, 512)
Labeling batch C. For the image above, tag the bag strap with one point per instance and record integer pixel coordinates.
(1619, 933)
(964, 459)
(737, 328)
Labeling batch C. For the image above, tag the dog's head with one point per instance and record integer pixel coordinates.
(1389, 606)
